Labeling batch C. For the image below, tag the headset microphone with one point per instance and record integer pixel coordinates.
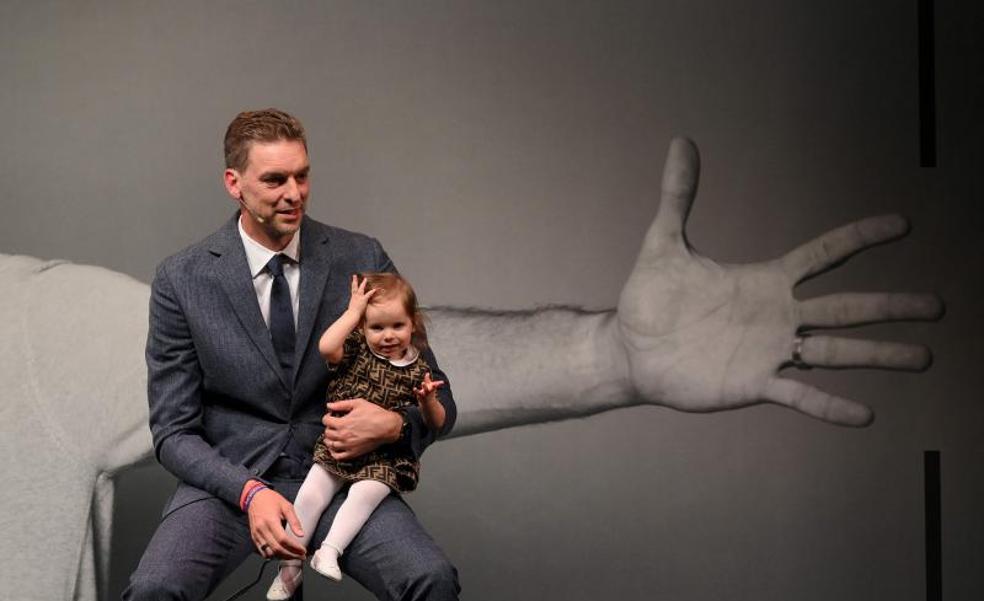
(250, 211)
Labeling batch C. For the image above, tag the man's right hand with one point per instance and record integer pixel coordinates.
(267, 512)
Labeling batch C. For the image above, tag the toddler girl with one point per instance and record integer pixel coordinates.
(373, 352)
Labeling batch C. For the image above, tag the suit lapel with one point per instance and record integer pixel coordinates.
(233, 272)
(315, 267)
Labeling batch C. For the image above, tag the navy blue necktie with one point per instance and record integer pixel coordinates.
(281, 315)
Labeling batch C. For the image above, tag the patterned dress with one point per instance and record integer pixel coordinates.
(362, 374)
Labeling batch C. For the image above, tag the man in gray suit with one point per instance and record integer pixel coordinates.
(237, 387)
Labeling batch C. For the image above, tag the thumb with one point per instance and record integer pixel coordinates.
(292, 521)
(680, 175)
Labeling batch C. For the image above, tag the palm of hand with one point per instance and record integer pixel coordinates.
(703, 336)
(700, 336)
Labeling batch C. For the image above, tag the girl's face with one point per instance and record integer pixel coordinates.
(388, 328)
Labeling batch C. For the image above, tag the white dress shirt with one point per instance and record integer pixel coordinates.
(258, 256)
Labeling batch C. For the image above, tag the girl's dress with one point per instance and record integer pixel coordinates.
(361, 374)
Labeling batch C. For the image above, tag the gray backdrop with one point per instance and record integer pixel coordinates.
(508, 155)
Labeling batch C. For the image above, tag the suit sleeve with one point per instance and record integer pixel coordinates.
(419, 436)
(174, 385)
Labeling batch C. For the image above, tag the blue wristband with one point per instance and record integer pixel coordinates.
(252, 493)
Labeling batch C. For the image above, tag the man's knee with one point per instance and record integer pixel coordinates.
(432, 578)
(146, 588)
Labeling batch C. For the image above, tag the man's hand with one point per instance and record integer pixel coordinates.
(355, 427)
(267, 511)
(701, 336)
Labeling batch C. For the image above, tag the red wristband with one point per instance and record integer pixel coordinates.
(248, 494)
(252, 493)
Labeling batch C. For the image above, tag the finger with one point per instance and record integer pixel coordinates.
(293, 521)
(278, 550)
(258, 543)
(341, 455)
(332, 422)
(836, 246)
(290, 547)
(832, 351)
(811, 401)
(268, 541)
(852, 309)
(680, 174)
(280, 543)
(429, 387)
(343, 406)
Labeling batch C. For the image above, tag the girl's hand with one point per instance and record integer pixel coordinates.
(360, 298)
(428, 389)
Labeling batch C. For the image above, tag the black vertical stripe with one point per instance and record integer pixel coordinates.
(934, 559)
(927, 85)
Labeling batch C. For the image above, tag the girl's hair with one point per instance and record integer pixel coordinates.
(392, 285)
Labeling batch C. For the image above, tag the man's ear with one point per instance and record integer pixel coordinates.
(231, 179)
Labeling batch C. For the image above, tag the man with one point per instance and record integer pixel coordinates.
(236, 386)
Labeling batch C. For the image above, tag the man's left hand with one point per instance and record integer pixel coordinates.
(355, 427)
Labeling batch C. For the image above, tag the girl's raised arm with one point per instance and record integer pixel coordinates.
(333, 340)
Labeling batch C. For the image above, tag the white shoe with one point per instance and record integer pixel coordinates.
(281, 589)
(325, 562)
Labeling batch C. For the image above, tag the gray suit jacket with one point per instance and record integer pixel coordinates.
(220, 407)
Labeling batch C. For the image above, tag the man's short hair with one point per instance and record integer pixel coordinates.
(267, 125)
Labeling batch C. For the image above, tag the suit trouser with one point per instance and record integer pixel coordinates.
(196, 546)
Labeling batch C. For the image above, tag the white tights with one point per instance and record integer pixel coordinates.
(316, 493)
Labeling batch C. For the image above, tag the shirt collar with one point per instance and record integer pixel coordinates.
(258, 255)
(408, 357)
